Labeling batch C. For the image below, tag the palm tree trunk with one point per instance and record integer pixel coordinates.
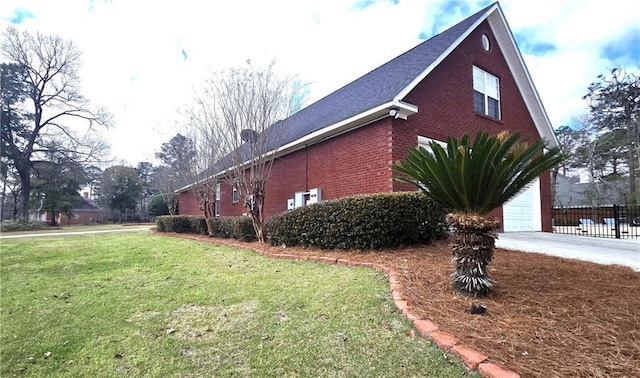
(473, 243)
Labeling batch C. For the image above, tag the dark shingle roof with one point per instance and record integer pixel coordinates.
(85, 204)
(380, 86)
(377, 87)
(569, 193)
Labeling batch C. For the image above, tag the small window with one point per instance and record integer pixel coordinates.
(486, 93)
(485, 42)
(216, 204)
(234, 195)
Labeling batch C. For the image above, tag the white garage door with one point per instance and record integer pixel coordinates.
(523, 212)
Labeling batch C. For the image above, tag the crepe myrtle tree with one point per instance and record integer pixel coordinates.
(240, 119)
(471, 179)
(200, 174)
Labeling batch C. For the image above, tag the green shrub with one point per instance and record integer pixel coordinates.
(160, 224)
(217, 228)
(199, 225)
(373, 221)
(240, 228)
(21, 225)
(175, 223)
(157, 206)
(243, 229)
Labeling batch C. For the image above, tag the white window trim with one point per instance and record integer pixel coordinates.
(486, 76)
(425, 143)
(235, 195)
(216, 203)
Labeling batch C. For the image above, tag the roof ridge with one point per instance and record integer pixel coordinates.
(407, 52)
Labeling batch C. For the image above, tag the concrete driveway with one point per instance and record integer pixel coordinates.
(600, 250)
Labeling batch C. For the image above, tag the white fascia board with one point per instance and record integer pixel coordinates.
(187, 187)
(405, 109)
(446, 53)
(518, 69)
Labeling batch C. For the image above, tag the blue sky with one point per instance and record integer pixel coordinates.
(142, 59)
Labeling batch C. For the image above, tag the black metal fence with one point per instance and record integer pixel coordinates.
(615, 221)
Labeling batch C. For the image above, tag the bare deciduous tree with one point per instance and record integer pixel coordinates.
(62, 118)
(240, 123)
(203, 187)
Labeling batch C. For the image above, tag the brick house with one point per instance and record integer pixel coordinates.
(85, 211)
(468, 78)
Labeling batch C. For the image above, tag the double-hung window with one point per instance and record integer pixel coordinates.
(486, 93)
(235, 197)
(217, 201)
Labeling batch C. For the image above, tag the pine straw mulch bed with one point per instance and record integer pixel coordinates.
(547, 316)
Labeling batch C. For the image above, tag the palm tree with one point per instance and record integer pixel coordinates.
(471, 181)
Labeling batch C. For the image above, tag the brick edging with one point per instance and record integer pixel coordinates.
(472, 358)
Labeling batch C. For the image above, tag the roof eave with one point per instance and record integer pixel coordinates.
(402, 94)
(516, 64)
(395, 109)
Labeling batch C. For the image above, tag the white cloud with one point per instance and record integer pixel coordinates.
(579, 30)
(134, 62)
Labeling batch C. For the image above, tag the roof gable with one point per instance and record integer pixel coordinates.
(85, 204)
(386, 84)
(372, 95)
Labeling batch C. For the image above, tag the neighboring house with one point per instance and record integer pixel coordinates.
(85, 211)
(569, 192)
(468, 78)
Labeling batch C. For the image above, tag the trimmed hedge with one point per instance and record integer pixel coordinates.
(373, 221)
(240, 228)
(199, 225)
(175, 223)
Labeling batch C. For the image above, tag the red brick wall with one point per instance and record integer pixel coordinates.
(288, 176)
(445, 103)
(83, 217)
(227, 206)
(187, 204)
(445, 97)
(547, 201)
(354, 163)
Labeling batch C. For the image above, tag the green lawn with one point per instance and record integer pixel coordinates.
(137, 304)
(79, 228)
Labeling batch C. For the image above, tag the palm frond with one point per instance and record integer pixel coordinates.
(480, 176)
